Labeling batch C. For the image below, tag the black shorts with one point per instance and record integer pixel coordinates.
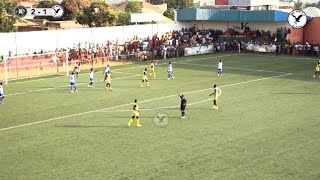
(182, 108)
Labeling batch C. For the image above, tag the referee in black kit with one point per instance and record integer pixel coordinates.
(183, 105)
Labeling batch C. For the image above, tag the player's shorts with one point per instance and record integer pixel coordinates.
(144, 78)
(135, 113)
(1, 95)
(220, 70)
(72, 83)
(91, 79)
(182, 108)
(152, 70)
(108, 81)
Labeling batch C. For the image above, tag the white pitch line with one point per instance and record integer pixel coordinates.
(257, 70)
(40, 79)
(123, 105)
(46, 89)
(152, 109)
(116, 70)
(127, 73)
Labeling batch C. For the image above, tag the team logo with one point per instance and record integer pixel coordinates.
(161, 119)
(20, 11)
(297, 19)
(57, 11)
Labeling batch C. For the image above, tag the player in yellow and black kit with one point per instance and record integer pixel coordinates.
(216, 93)
(144, 77)
(135, 114)
(317, 70)
(152, 69)
(108, 77)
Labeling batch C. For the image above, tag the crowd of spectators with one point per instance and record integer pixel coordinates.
(172, 44)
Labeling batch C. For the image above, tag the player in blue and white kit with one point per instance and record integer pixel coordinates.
(91, 78)
(73, 83)
(1, 93)
(219, 68)
(170, 76)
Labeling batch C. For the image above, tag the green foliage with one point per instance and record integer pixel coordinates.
(317, 5)
(134, 7)
(7, 17)
(98, 14)
(174, 3)
(123, 18)
(169, 13)
(157, 2)
(71, 7)
(298, 5)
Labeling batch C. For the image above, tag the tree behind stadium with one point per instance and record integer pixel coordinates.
(98, 14)
(7, 17)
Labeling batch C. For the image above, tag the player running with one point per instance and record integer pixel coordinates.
(91, 78)
(1, 93)
(219, 68)
(106, 72)
(145, 77)
(170, 76)
(152, 69)
(216, 92)
(73, 83)
(317, 70)
(135, 114)
(183, 105)
(108, 85)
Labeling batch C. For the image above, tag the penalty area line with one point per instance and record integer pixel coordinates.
(143, 101)
(78, 84)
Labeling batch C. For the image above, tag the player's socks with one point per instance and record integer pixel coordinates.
(138, 123)
(148, 84)
(154, 74)
(141, 85)
(130, 121)
(314, 76)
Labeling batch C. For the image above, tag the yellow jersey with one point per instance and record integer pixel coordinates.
(152, 66)
(217, 93)
(144, 76)
(318, 67)
(135, 109)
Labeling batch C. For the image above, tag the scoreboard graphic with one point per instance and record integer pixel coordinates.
(56, 11)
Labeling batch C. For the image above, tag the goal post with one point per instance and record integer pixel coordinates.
(35, 65)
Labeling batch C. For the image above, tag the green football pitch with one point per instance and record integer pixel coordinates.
(267, 125)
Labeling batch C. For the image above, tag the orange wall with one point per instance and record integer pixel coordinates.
(311, 30)
(296, 35)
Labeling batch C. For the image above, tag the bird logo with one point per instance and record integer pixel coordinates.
(57, 11)
(297, 19)
(161, 119)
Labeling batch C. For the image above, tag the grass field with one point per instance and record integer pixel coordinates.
(267, 125)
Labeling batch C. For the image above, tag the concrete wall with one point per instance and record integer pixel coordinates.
(311, 30)
(296, 35)
(23, 42)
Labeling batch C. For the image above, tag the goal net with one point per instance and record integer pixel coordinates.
(35, 65)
